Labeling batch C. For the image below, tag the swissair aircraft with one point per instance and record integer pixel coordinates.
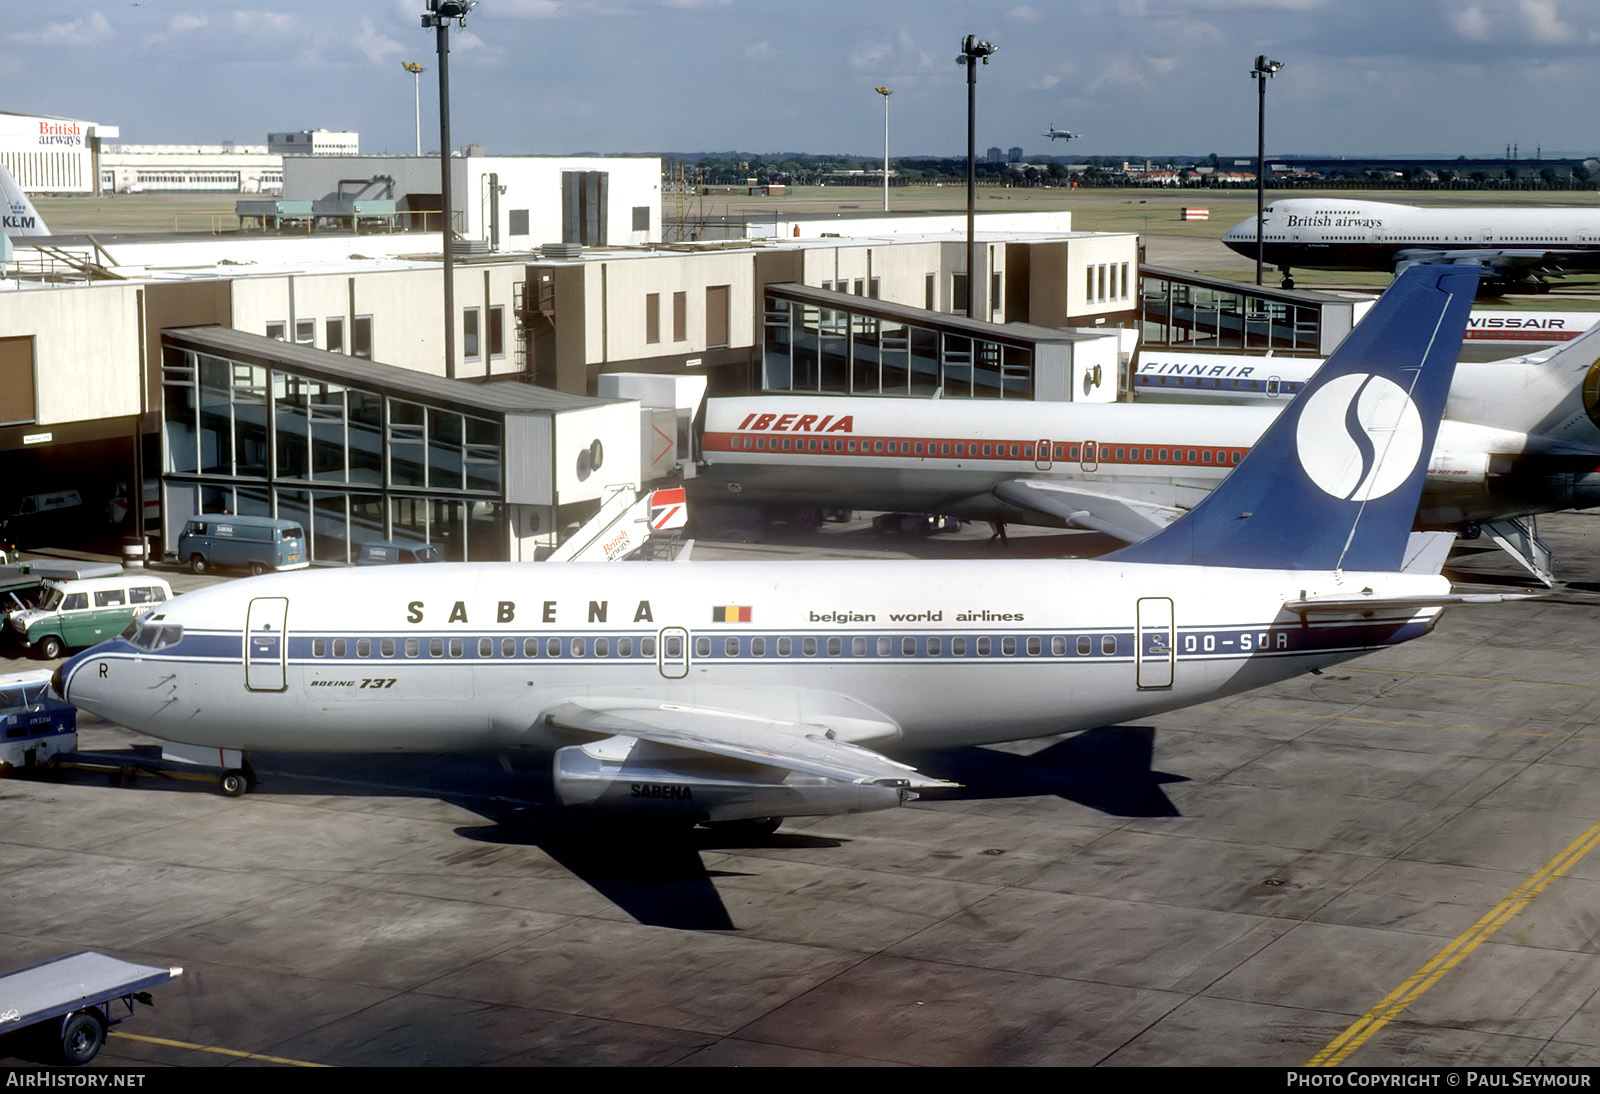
(1523, 439)
(751, 691)
(1517, 245)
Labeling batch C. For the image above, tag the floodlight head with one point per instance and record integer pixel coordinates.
(441, 12)
(972, 50)
(1264, 67)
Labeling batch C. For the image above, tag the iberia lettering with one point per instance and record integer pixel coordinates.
(799, 423)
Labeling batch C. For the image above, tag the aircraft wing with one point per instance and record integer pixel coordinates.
(1495, 258)
(1124, 518)
(795, 746)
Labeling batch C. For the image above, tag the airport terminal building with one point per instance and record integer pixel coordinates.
(304, 375)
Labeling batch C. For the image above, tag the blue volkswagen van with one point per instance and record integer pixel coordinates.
(257, 544)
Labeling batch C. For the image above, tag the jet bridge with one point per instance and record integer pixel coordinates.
(1188, 311)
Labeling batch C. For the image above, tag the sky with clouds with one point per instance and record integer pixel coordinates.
(1135, 77)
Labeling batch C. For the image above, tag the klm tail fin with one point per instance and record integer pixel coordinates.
(1333, 484)
(18, 217)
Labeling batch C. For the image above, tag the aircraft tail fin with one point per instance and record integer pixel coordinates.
(1553, 393)
(1334, 482)
(18, 217)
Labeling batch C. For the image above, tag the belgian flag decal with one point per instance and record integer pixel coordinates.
(731, 614)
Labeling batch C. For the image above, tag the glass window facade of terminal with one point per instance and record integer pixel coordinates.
(843, 351)
(1185, 316)
(350, 465)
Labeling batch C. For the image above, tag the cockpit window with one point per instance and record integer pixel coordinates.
(153, 636)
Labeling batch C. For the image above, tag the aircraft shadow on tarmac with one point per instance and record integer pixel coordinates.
(655, 870)
(1106, 769)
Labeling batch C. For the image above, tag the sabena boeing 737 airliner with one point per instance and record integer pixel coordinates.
(733, 691)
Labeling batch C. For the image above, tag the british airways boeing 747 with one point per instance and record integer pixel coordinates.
(1515, 245)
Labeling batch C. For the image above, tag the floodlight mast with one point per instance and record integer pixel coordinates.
(438, 16)
(972, 51)
(885, 92)
(416, 71)
(1263, 72)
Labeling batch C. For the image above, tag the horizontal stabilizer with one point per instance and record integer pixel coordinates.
(1122, 518)
(795, 746)
(1371, 602)
(1426, 552)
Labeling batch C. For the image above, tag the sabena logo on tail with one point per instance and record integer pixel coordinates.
(1359, 438)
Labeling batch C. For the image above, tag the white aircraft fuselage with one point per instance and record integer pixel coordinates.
(1341, 234)
(950, 455)
(925, 654)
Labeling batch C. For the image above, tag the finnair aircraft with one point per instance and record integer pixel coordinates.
(1523, 438)
(1516, 245)
(751, 691)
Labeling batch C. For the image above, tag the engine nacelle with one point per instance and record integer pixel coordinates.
(1451, 471)
(694, 787)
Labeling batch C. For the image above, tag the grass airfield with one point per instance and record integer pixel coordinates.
(1153, 213)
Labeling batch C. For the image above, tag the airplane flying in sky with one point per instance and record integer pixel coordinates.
(749, 691)
(1059, 134)
(1523, 438)
(1516, 245)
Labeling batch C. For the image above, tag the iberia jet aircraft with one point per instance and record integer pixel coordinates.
(717, 691)
(1523, 438)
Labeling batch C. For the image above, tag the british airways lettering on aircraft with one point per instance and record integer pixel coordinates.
(1515, 244)
(728, 691)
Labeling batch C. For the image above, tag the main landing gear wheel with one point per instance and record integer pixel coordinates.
(233, 784)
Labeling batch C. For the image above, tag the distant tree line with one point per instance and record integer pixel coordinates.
(1199, 172)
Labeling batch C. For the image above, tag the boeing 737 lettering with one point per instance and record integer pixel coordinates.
(751, 690)
(1517, 246)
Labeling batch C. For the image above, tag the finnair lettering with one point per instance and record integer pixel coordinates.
(505, 611)
(799, 423)
(1176, 369)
